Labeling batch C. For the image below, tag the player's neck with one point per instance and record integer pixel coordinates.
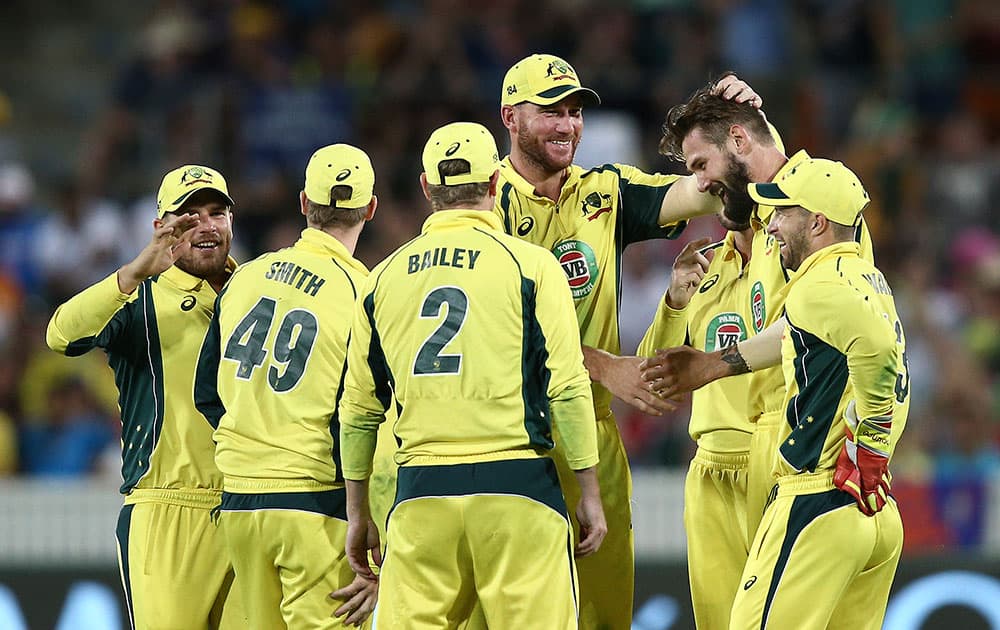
(771, 161)
(743, 242)
(547, 183)
(347, 236)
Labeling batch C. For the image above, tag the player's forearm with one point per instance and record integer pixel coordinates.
(572, 415)
(587, 480)
(764, 349)
(667, 330)
(684, 201)
(357, 500)
(85, 314)
(357, 446)
(872, 366)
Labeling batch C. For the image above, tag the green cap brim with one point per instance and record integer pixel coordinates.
(558, 93)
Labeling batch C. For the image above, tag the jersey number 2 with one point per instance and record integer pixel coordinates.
(292, 344)
(429, 359)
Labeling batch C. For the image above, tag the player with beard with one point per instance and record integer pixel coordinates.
(586, 218)
(706, 308)
(727, 146)
(150, 318)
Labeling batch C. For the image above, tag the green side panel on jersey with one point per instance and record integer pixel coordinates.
(206, 375)
(140, 381)
(534, 373)
(505, 206)
(382, 375)
(821, 374)
(805, 509)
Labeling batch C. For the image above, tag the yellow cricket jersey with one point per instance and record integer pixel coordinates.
(767, 387)
(717, 316)
(271, 369)
(843, 341)
(599, 213)
(152, 338)
(473, 331)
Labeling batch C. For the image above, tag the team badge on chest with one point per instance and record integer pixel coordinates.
(757, 306)
(723, 331)
(580, 265)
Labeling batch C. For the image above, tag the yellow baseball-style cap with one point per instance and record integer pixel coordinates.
(179, 184)
(461, 141)
(340, 165)
(821, 186)
(543, 80)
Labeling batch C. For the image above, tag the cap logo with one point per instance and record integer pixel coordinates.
(195, 174)
(511, 89)
(453, 149)
(344, 174)
(561, 67)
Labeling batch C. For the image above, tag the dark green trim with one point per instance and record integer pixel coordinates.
(206, 374)
(335, 416)
(505, 206)
(770, 190)
(122, 534)
(805, 509)
(381, 373)
(535, 375)
(821, 375)
(639, 212)
(332, 503)
(534, 479)
(139, 377)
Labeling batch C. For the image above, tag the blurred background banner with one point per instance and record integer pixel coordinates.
(98, 100)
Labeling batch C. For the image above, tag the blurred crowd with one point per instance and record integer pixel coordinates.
(907, 92)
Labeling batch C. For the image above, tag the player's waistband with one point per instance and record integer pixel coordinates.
(187, 497)
(332, 503)
(805, 483)
(725, 441)
(532, 478)
(721, 461)
(248, 485)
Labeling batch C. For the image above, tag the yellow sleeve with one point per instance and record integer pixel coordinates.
(83, 317)
(667, 330)
(363, 405)
(841, 316)
(571, 402)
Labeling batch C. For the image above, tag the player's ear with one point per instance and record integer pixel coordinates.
(303, 203)
(739, 137)
(423, 186)
(494, 182)
(508, 115)
(371, 208)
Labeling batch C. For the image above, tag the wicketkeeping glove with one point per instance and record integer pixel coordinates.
(863, 465)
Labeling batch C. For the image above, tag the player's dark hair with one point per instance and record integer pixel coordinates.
(443, 196)
(714, 115)
(322, 216)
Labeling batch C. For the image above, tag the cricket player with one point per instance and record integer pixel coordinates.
(705, 306)
(150, 317)
(269, 380)
(726, 146)
(826, 552)
(474, 332)
(586, 219)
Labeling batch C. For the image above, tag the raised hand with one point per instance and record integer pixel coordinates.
(164, 248)
(731, 87)
(688, 271)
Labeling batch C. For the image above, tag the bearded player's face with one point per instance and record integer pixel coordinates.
(548, 135)
(720, 172)
(211, 239)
